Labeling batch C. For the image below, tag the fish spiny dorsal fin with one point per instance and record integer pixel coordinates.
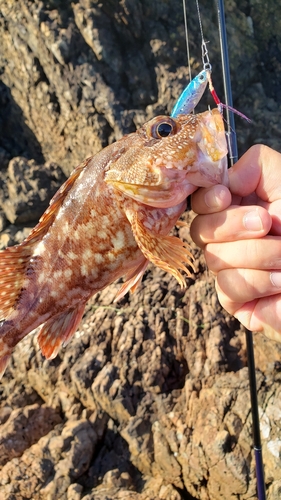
(166, 252)
(15, 260)
(49, 215)
(59, 330)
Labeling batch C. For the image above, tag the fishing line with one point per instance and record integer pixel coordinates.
(200, 20)
(205, 53)
(233, 157)
(208, 67)
(228, 106)
(231, 134)
(186, 39)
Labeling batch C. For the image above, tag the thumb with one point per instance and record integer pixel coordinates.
(259, 171)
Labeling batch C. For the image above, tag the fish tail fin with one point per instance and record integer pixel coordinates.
(59, 330)
(13, 264)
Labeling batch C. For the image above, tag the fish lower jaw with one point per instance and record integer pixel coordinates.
(207, 173)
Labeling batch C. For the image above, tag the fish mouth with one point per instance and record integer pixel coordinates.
(177, 185)
(207, 173)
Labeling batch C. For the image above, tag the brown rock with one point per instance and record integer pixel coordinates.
(150, 400)
(23, 428)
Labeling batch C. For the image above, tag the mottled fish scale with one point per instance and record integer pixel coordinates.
(109, 219)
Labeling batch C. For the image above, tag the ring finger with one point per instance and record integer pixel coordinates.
(245, 285)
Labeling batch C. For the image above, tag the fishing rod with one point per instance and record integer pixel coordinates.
(185, 104)
(233, 156)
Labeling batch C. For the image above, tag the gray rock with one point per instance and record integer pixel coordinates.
(30, 188)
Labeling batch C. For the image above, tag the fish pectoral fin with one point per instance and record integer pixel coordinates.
(167, 252)
(133, 279)
(59, 330)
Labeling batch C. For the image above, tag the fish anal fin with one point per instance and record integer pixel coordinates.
(59, 330)
(133, 279)
(167, 252)
(4, 360)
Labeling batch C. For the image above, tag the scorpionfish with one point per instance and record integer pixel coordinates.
(108, 220)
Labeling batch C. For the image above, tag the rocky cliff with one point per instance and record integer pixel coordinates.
(150, 400)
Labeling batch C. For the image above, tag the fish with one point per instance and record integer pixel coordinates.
(191, 95)
(108, 220)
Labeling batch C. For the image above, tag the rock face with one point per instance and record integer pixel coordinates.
(150, 400)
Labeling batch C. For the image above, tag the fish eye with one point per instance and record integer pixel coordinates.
(163, 128)
(202, 77)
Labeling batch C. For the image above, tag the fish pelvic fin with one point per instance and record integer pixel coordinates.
(5, 354)
(59, 330)
(6, 329)
(133, 279)
(167, 252)
(4, 360)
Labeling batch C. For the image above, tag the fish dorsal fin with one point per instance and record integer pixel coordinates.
(167, 252)
(15, 260)
(49, 215)
(59, 330)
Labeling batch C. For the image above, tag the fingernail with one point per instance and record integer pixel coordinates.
(252, 221)
(275, 279)
(212, 198)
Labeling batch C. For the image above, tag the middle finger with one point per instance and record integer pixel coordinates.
(235, 223)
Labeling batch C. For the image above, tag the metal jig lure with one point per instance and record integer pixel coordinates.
(191, 95)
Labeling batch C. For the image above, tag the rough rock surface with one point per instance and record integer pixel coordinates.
(150, 400)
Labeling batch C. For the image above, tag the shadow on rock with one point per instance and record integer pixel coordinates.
(16, 138)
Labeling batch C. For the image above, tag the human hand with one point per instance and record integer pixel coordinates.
(240, 232)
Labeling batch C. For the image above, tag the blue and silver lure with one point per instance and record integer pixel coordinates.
(191, 95)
